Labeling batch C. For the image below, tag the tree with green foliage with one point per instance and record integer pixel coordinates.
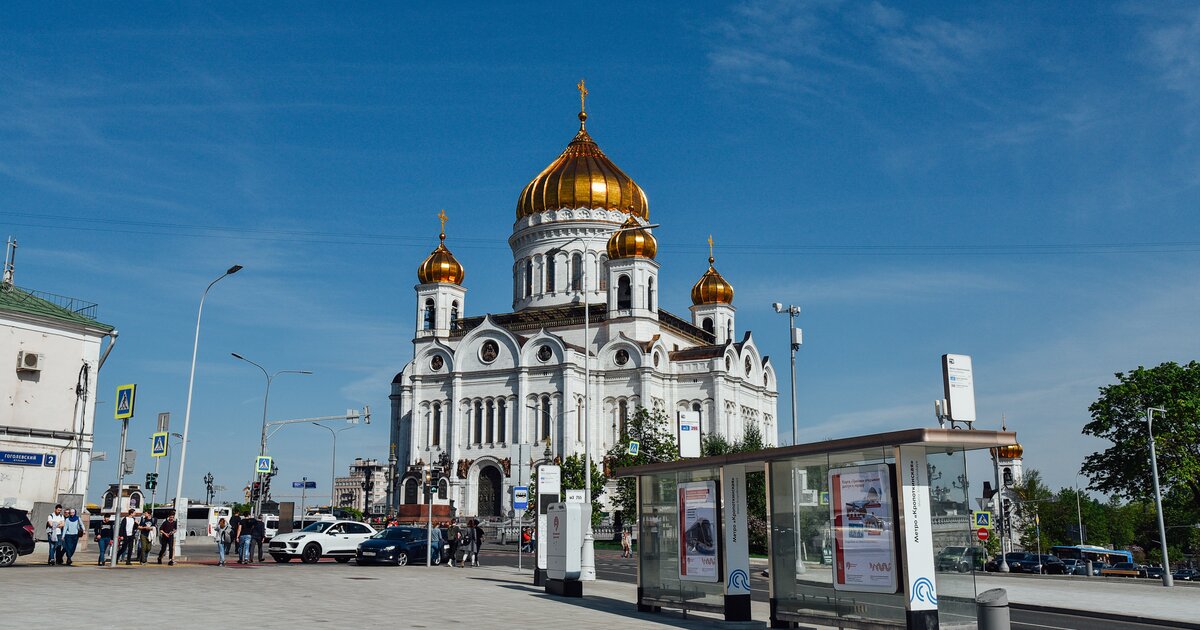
(1119, 416)
(656, 443)
(573, 477)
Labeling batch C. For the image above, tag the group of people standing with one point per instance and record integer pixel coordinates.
(244, 530)
(63, 529)
(464, 541)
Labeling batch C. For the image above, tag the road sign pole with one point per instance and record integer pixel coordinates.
(154, 492)
(303, 497)
(118, 529)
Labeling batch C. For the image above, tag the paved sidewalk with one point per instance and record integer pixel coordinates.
(332, 595)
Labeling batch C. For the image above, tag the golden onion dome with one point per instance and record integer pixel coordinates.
(1012, 451)
(441, 265)
(632, 241)
(583, 177)
(712, 288)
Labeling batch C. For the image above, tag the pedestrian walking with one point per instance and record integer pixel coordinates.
(146, 530)
(467, 544)
(455, 538)
(245, 528)
(54, 527)
(126, 535)
(72, 530)
(104, 538)
(526, 540)
(166, 539)
(478, 544)
(224, 536)
(626, 543)
(257, 536)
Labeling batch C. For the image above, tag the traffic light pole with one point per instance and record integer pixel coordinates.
(429, 511)
(118, 529)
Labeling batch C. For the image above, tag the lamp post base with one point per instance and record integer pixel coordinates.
(587, 560)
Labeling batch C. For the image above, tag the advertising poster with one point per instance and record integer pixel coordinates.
(861, 507)
(698, 531)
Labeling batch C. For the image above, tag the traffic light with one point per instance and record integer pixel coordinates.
(151, 480)
(255, 490)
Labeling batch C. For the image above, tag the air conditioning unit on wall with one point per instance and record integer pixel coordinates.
(29, 361)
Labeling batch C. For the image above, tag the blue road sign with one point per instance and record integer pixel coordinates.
(158, 447)
(125, 400)
(310, 484)
(262, 465)
(520, 497)
(982, 519)
(634, 446)
(50, 460)
(23, 459)
(297, 484)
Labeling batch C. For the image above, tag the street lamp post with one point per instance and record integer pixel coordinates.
(187, 413)
(262, 444)
(587, 563)
(1078, 511)
(797, 338)
(1168, 579)
(333, 462)
(170, 455)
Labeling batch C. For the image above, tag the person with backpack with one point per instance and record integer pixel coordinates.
(467, 544)
(478, 544)
(223, 534)
(455, 538)
(104, 538)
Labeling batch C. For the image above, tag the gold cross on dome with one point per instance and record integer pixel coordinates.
(442, 216)
(710, 246)
(583, 92)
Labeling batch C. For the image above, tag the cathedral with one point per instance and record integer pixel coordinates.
(585, 289)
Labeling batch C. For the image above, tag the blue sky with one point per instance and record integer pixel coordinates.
(1014, 181)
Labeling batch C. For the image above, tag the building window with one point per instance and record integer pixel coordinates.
(650, 294)
(579, 420)
(443, 488)
(528, 277)
(491, 422)
(576, 272)
(621, 357)
(551, 265)
(545, 417)
(478, 422)
(624, 293)
(502, 418)
(707, 325)
(622, 418)
(428, 323)
(437, 424)
(453, 313)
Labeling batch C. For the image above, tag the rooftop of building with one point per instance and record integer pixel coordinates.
(533, 319)
(51, 306)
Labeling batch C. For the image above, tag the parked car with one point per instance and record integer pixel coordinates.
(1154, 572)
(1187, 575)
(1043, 564)
(401, 545)
(1097, 567)
(1014, 559)
(16, 535)
(1124, 569)
(325, 539)
(961, 559)
(1075, 566)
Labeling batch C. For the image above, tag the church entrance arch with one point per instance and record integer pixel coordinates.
(490, 492)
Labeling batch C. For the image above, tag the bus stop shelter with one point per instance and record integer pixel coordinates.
(859, 531)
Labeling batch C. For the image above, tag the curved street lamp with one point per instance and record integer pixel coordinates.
(262, 443)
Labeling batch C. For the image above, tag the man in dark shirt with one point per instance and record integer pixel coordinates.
(104, 536)
(166, 539)
(245, 537)
(257, 536)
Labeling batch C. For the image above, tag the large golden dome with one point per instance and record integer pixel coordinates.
(632, 241)
(441, 265)
(583, 177)
(712, 288)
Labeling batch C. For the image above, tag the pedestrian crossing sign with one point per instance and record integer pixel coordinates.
(158, 448)
(125, 398)
(634, 446)
(263, 465)
(982, 520)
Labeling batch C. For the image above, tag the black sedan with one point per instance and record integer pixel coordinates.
(400, 546)
(16, 535)
(1014, 559)
(1043, 564)
(1187, 575)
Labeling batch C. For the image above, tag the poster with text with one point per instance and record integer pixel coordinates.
(698, 531)
(861, 508)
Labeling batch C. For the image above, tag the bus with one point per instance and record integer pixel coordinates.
(201, 519)
(1084, 553)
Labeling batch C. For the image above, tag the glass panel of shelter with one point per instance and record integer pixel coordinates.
(658, 541)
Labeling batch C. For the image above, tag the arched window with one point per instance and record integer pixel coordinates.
(478, 421)
(491, 422)
(528, 277)
(624, 294)
(707, 325)
(545, 417)
(576, 272)
(443, 488)
(579, 420)
(502, 418)
(650, 294)
(410, 491)
(428, 323)
(551, 266)
(437, 424)
(728, 331)
(600, 272)
(696, 407)
(622, 418)
(453, 313)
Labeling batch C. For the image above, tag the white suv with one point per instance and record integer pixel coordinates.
(326, 539)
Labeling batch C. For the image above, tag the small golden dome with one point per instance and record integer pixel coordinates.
(440, 265)
(583, 177)
(1012, 451)
(633, 241)
(712, 288)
